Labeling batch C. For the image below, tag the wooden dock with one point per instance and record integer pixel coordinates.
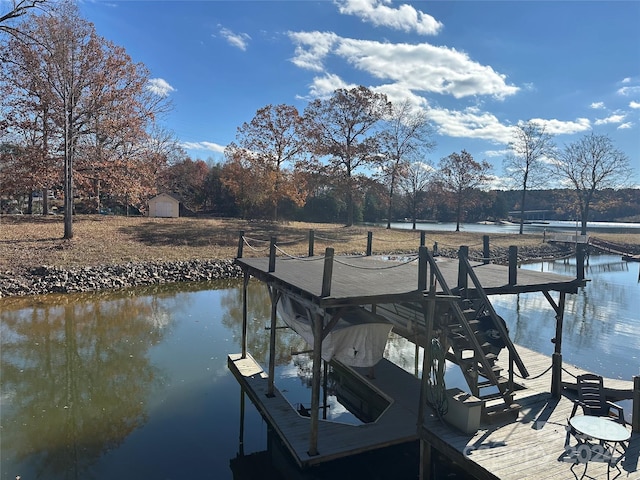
(335, 440)
(532, 447)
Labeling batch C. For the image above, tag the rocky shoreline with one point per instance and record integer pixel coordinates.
(50, 279)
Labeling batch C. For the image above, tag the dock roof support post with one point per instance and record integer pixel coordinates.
(275, 296)
(556, 358)
(422, 268)
(635, 408)
(315, 382)
(312, 237)
(369, 243)
(327, 273)
(463, 252)
(272, 255)
(240, 244)
(513, 265)
(429, 308)
(485, 249)
(423, 239)
(245, 285)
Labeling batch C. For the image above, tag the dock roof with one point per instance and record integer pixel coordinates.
(358, 280)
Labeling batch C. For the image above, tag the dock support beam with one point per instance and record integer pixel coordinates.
(318, 321)
(635, 415)
(556, 358)
(425, 460)
(513, 265)
(311, 242)
(275, 297)
(486, 253)
(245, 285)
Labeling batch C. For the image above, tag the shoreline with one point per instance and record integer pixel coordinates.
(42, 280)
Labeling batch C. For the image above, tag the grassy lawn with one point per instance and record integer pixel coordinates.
(27, 241)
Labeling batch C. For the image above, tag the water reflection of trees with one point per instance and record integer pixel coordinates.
(258, 321)
(75, 376)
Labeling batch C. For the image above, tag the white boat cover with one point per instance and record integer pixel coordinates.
(357, 340)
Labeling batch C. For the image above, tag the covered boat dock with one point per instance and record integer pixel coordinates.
(328, 286)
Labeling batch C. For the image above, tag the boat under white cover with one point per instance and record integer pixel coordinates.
(358, 339)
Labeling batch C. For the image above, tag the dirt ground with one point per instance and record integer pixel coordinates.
(28, 241)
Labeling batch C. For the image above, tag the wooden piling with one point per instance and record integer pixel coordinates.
(369, 243)
(485, 249)
(635, 417)
(272, 255)
(240, 244)
(463, 252)
(513, 265)
(327, 272)
(311, 242)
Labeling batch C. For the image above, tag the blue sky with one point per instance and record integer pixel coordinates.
(477, 67)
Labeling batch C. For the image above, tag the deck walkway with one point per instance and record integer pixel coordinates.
(529, 448)
(533, 446)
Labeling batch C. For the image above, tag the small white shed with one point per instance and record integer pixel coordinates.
(164, 205)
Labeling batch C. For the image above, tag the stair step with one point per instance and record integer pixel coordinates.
(486, 383)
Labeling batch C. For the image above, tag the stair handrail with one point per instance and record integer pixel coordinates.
(494, 317)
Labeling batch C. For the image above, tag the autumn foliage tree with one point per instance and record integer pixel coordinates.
(270, 153)
(459, 174)
(92, 93)
(342, 129)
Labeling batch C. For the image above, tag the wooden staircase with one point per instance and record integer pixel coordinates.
(477, 335)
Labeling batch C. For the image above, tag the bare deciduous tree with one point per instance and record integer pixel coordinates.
(591, 164)
(531, 144)
(406, 138)
(459, 173)
(413, 185)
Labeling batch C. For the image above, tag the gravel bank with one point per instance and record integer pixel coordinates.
(48, 279)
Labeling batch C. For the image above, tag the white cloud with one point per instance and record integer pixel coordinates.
(213, 147)
(610, 119)
(633, 104)
(561, 127)
(626, 91)
(624, 126)
(323, 87)
(626, 80)
(496, 153)
(597, 105)
(470, 123)
(419, 68)
(160, 87)
(312, 48)
(379, 13)
(238, 40)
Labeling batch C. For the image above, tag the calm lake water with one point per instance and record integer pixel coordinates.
(134, 384)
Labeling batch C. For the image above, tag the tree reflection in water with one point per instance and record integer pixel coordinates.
(75, 376)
